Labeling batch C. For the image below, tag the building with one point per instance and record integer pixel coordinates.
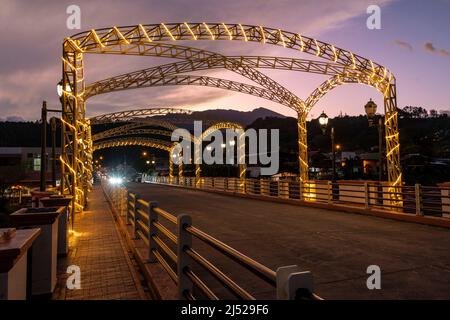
(28, 159)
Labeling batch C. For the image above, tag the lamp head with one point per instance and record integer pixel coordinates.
(323, 122)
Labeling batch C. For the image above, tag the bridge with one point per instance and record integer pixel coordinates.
(183, 236)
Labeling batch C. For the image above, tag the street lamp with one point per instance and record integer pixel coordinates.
(371, 110)
(323, 122)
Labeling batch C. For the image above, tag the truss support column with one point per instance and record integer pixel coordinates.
(242, 163)
(392, 143)
(73, 115)
(170, 168)
(197, 161)
(180, 166)
(302, 147)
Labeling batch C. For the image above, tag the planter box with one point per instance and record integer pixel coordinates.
(63, 221)
(13, 264)
(45, 247)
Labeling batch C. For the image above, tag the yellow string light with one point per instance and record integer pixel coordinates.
(282, 38)
(317, 48)
(243, 32)
(121, 36)
(209, 31)
(145, 33)
(230, 35)
(334, 52)
(263, 35)
(75, 45)
(168, 31)
(96, 38)
(190, 31)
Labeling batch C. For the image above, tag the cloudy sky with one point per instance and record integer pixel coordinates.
(413, 42)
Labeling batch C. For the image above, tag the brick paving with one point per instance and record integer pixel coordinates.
(107, 271)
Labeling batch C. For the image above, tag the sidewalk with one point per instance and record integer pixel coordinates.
(107, 272)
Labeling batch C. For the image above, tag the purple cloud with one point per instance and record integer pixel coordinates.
(404, 45)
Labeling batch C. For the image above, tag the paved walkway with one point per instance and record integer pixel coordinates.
(107, 272)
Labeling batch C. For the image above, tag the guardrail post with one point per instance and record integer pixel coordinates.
(366, 195)
(183, 260)
(152, 218)
(128, 208)
(300, 191)
(293, 284)
(135, 234)
(330, 191)
(418, 196)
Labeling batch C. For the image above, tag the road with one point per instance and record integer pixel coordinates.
(336, 246)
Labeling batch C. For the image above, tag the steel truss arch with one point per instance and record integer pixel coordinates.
(133, 141)
(131, 40)
(124, 129)
(140, 141)
(131, 115)
(206, 82)
(241, 146)
(134, 40)
(391, 124)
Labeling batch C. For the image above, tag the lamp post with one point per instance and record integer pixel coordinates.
(53, 127)
(43, 181)
(323, 121)
(371, 109)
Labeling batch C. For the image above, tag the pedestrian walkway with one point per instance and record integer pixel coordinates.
(107, 272)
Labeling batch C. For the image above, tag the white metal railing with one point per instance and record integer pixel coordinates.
(418, 200)
(169, 242)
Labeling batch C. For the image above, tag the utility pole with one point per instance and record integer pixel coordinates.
(43, 146)
(53, 126)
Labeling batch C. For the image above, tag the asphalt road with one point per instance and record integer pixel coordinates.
(336, 246)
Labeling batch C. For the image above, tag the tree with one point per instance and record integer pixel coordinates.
(434, 113)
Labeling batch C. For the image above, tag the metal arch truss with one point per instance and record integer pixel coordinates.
(133, 141)
(388, 90)
(141, 141)
(240, 131)
(172, 80)
(130, 115)
(140, 39)
(132, 127)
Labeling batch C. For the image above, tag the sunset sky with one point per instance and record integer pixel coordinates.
(414, 43)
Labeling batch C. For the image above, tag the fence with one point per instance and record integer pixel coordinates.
(175, 252)
(418, 200)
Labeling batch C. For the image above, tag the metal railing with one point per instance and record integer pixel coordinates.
(418, 200)
(169, 242)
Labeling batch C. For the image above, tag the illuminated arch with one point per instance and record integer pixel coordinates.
(136, 131)
(241, 144)
(205, 81)
(137, 128)
(133, 40)
(133, 115)
(390, 124)
(141, 141)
